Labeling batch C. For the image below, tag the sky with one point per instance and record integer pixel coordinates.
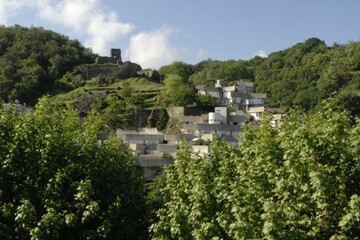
(157, 32)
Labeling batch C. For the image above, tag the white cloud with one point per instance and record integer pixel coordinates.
(85, 18)
(153, 49)
(99, 28)
(261, 53)
(200, 53)
(103, 30)
(9, 8)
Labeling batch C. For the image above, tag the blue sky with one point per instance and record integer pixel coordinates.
(158, 32)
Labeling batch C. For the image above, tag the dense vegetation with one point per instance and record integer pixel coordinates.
(33, 60)
(309, 72)
(300, 76)
(300, 181)
(58, 182)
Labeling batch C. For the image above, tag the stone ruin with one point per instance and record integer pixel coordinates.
(115, 57)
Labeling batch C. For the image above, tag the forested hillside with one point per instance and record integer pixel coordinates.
(308, 72)
(32, 60)
(35, 61)
(300, 76)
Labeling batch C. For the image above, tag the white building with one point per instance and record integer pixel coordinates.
(240, 95)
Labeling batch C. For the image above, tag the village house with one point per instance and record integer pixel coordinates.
(239, 96)
(215, 92)
(155, 149)
(256, 112)
(220, 123)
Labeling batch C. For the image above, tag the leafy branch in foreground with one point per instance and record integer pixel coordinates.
(58, 182)
(300, 181)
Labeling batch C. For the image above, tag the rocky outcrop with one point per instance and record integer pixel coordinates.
(127, 70)
(149, 73)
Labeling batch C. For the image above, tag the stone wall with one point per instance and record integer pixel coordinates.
(179, 112)
(91, 71)
(107, 60)
(113, 71)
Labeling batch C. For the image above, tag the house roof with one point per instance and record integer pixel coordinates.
(256, 109)
(229, 88)
(238, 118)
(153, 161)
(192, 119)
(177, 137)
(207, 88)
(258, 95)
(217, 127)
(190, 127)
(241, 95)
(167, 147)
(137, 136)
(248, 84)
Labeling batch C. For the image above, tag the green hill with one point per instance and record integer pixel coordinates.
(35, 62)
(32, 60)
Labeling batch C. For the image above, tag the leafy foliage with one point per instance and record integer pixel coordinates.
(300, 181)
(32, 60)
(206, 101)
(181, 69)
(307, 73)
(58, 182)
(176, 92)
(300, 76)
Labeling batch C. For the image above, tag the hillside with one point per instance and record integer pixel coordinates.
(300, 76)
(34, 62)
(117, 102)
(308, 72)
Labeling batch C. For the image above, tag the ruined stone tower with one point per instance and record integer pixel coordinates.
(115, 53)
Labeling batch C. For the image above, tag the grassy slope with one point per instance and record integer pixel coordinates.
(144, 90)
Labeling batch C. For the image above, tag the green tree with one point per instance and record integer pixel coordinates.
(58, 182)
(117, 114)
(298, 181)
(178, 68)
(176, 92)
(162, 120)
(35, 59)
(206, 101)
(328, 83)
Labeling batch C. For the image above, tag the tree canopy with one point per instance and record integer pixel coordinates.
(300, 181)
(57, 181)
(32, 60)
(300, 76)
